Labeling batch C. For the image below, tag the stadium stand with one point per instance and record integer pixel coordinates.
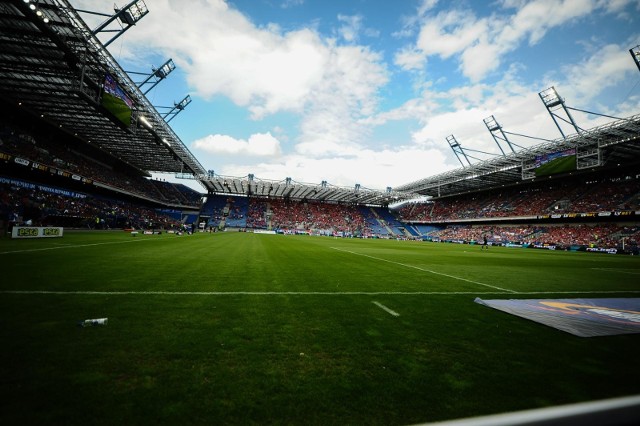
(38, 205)
(66, 158)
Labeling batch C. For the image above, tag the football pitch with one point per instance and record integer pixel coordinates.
(242, 328)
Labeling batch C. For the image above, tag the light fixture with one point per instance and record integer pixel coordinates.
(145, 122)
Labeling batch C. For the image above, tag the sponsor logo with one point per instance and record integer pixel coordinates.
(51, 232)
(27, 232)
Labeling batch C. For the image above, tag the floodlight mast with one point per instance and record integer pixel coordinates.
(498, 134)
(159, 74)
(176, 109)
(457, 150)
(553, 102)
(635, 54)
(128, 16)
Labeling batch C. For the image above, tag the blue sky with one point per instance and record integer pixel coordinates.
(367, 91)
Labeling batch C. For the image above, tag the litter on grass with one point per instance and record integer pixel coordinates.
(93, 322)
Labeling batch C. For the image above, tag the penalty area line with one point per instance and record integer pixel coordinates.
(506, 290)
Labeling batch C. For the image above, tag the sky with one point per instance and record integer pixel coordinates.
(368, 91)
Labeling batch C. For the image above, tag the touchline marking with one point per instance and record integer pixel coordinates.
(426, 270)
(298, 293)
(60, 247)
(381, 306)
(242, 293)
(617, 270)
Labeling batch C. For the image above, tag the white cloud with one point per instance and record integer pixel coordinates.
(269, 71)
(608, 66)
(372, 169)
(480, 43)
(409, 58)
(224, 53)
(351, 26)
(286, 4)
(349, 92)
(449, 33)
(258, 145)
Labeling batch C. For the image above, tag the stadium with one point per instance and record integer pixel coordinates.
(257, 301)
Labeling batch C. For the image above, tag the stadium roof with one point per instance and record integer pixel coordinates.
(53, 64)
(290, 189)
(56, 67)
(614, 144)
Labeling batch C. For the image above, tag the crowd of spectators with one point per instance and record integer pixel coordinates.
(606, 194)
(31, 205)
(609, 235)
(287, 215)
(257, 214)
(55, 155)
(316, 217)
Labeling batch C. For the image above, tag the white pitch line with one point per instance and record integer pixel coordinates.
(298, 293)
(61, 247)
(242, 293)
(425, 270)
(617, 270)
(381, 306)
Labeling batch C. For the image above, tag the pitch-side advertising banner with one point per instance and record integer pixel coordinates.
(36, 232)
(581, 317)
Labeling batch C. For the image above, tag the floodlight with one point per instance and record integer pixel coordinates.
(128, 16)
(177, 108)
(145, 122)
(165, 69)
(183, 103)
(157, 74)
(635, 54)
(550, 97)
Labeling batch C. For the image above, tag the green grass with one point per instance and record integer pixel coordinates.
(240, 328)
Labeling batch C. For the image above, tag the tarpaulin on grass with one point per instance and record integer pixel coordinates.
(581, 317)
